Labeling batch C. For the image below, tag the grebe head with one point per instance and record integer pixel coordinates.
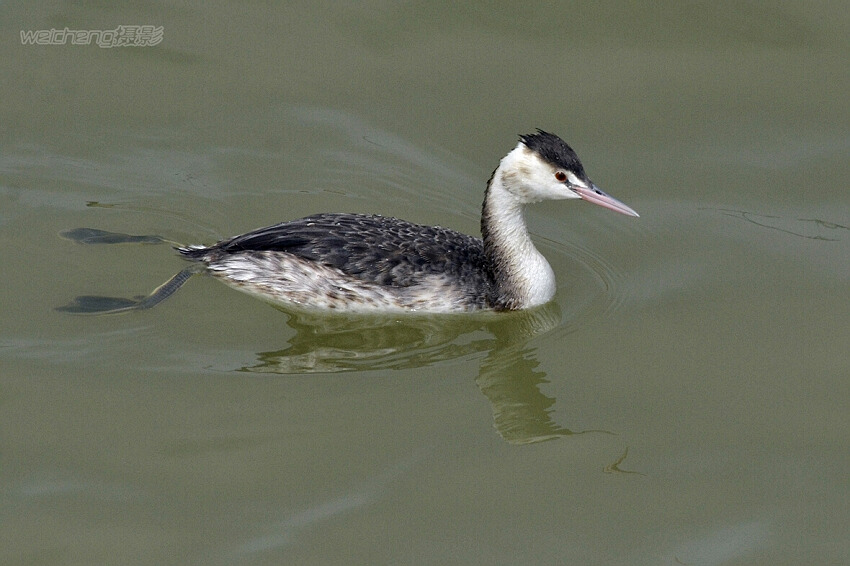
(544, 167)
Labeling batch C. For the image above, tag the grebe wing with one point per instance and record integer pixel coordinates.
(380, 249)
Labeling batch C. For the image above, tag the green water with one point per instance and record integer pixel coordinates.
(684, 400)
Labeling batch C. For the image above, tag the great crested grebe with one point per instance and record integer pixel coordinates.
(357, 263)
(369, 263)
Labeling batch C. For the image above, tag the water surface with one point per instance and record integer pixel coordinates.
(683, 400)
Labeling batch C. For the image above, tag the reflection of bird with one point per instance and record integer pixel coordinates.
(355, 262)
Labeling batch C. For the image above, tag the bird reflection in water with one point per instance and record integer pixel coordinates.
(509, 374)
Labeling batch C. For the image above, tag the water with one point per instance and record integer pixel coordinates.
(683, 400)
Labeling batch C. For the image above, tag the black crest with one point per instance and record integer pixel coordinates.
(554, 150)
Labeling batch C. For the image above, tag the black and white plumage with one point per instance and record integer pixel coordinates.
(356, 262)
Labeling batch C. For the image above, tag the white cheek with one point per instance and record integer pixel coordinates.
(560, 191)
(550, 188)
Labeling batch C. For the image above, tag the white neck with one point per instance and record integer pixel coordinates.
(523, 277)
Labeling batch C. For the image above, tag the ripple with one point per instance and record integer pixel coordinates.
(807, 228)
(375, 160)
(592, 291)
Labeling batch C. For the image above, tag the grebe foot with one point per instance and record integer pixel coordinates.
(95, 304)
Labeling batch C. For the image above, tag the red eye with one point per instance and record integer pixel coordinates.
(561, 176)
